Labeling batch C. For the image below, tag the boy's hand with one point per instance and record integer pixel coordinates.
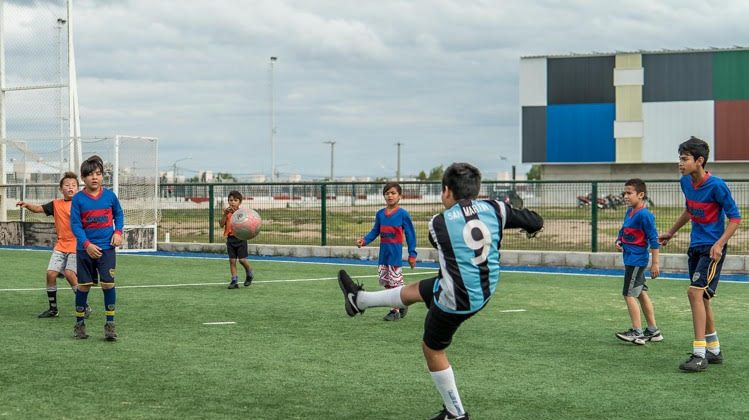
(618, 245)
(531, 235)
(228, 210)
(93, 251)
(664, 238)
(360, 242)
(116, 240)
(20, 204)
(655, 270)
(412, 261)
(716, 252)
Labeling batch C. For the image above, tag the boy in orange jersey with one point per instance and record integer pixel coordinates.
(62, 262)
(235, 247)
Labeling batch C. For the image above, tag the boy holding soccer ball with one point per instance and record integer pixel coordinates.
(467, 236)
(235, 247)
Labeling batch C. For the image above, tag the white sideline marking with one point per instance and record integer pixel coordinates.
(220, 323)
(514, 310)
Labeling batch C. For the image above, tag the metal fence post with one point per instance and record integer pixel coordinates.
(323, 215)
(594, 217)
(211, 209)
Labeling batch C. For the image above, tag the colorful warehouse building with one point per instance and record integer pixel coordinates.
(609, 115)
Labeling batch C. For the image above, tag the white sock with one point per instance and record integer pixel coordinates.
(445, 382)
(388, 298)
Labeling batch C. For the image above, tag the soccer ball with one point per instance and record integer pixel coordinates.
(245, 223)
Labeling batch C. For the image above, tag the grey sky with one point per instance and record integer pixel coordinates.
(439, 76)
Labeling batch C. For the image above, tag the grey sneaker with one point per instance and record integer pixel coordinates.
(694, 364)
(714, 359)
(631, 336)
(654, 336)
(49, 313)
(404, 311)
(350, 290)
(393, 315)
(110, 334)
(79, 331)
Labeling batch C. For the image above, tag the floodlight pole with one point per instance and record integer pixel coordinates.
(398, 165)
(3, 179)
(272, 125)
(332, 156)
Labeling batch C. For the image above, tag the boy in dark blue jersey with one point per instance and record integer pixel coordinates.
(467, 236)
(96, 219)
(637, 232)
(708, 203)
(392, 224)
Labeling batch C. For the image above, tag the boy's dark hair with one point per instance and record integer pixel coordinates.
(236, 194)
(91, 164)
(390, 185)
(68, 175)
(638, 185)
(697, 148)
(463, 179)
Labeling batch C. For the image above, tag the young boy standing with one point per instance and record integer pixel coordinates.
(235, 247)
(62, 262)
(97, 219)
(391, 224)
(637, 232)
(708, 203)
(467, 236)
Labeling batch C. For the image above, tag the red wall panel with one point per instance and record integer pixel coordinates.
(731, 130)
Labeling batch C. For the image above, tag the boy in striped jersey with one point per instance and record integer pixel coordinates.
(97, 219)
(708, 203)
(467, 236)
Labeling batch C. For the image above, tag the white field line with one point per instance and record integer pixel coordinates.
(220, 323)
(513, 310)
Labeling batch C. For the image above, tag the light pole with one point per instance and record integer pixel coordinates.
(272, 125)
(174, 167)
(398, 167)
(332, 156)
(60, 23)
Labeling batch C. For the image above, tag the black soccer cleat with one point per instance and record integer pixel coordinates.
(248, 279)
(404, 311)
(233, 285)
(714, 359)
(393, 315)
(446, 415)
(694, 364)
(350, 290)
(110, 333)
(49, 313)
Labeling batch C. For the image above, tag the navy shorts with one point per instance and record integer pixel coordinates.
(236, 248)
(90, 270)
(439, 326)
(634, 281)
(704, 272)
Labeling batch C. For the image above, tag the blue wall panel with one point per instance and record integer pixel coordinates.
(580, 133)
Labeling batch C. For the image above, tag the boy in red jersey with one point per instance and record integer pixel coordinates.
(708, 203)
(62, 262)
(391, 224)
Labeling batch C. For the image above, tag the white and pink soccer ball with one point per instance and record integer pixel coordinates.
(246, 223)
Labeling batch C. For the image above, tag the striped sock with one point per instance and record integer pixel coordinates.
(81, 298)
(698, 348)
(52, 297)
(713, 345)
(110, 297)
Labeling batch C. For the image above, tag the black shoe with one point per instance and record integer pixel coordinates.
(404, 311)
(446, 415)
(233, 285)
(248, 279)
(79, 331)
(631, 336)
(714, 359)
(110, 334)
(393, 315)
(350, 290)
(49, 313)
(654, 336)
(694, 364)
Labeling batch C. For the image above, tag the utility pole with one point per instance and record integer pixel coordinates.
(332, 157)
(398, 167)
(272, 125)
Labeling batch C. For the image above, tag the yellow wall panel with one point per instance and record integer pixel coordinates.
(629, 150)
(629, 61)
(629, 103)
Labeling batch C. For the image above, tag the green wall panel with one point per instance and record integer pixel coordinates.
(731, 75)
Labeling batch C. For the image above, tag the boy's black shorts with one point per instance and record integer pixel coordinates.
(634, 281)
(90, 270)
(439, 326)
(236, 248)
(704, 273)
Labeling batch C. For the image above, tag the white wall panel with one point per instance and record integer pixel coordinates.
(628, 77)
(533, 82)
(624, 129)
(668, 124)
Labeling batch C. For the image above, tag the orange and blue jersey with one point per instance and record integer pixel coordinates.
(94, 219)
(392, 227)
(637, 233)
(708, 202)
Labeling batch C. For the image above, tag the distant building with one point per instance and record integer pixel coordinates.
(612, 115)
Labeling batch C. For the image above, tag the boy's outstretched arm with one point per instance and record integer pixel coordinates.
(680, 222)
(525, 219)
(34, 208)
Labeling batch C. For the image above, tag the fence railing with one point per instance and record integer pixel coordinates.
(579, 216)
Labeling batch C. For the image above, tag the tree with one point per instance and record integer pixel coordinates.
(534, 174)
(422, 176)
(435, 174)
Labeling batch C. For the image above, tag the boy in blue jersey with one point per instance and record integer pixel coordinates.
(708, 203)
(637, 232)
(467, 236)
(96, 219)
(391, 224)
